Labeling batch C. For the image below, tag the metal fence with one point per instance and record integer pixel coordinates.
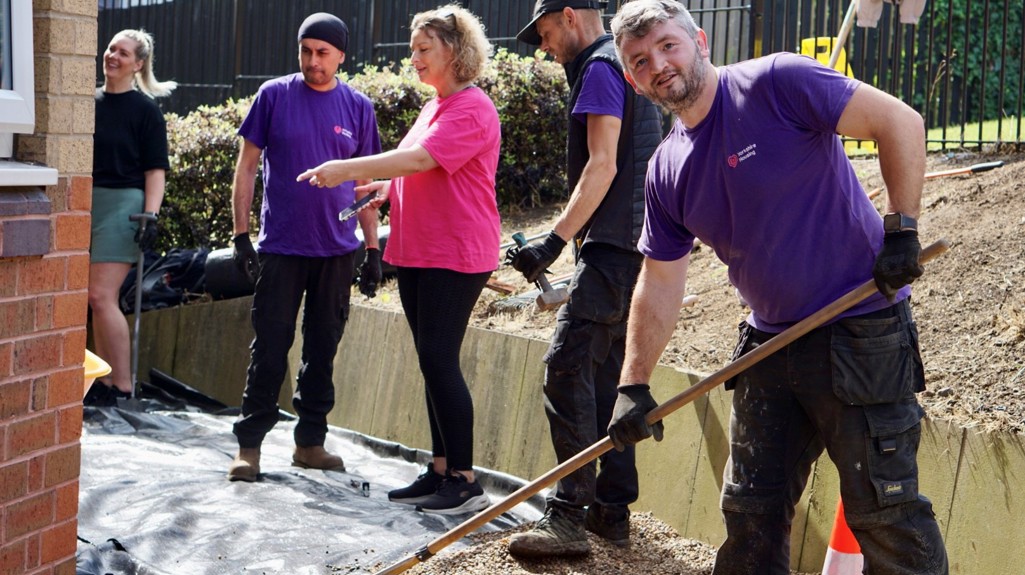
(961, 66)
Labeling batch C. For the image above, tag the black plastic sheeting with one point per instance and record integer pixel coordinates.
(154, 500)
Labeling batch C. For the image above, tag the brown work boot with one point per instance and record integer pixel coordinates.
(246, 465)
(316, 457)
(560, 533)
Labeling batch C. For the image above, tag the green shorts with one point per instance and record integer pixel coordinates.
(113, 234)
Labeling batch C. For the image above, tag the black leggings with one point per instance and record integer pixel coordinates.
(438, 304)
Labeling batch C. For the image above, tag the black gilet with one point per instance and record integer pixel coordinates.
(619, 217)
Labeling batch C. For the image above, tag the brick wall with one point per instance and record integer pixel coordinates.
(43, 301)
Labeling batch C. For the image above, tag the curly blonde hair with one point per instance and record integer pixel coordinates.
(463, 32)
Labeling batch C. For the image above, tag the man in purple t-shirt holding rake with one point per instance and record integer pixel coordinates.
(304, 250)
(754, 168)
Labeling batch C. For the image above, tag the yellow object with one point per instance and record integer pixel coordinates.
(94, 367)
(385, 298)
(821, 49)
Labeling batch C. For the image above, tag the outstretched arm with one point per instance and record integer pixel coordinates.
(385, 165)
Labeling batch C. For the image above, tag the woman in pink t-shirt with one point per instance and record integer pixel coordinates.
(444, 236)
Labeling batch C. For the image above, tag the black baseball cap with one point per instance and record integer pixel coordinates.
(529, 33)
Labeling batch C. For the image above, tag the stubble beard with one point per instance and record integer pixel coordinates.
(680, 100)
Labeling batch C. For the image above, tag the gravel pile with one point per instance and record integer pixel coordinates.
(656, 548)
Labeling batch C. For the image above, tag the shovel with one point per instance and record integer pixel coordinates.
(588, 455)
(132, 403)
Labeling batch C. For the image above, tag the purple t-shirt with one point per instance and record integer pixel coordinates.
(600, 93)
(764, 181)
(299, 128)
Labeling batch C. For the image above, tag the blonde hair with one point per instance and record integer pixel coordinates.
(145, 81)
(461, 31)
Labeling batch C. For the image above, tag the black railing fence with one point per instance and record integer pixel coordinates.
(961, 65)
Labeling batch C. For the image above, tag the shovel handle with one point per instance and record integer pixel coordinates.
(676, 402)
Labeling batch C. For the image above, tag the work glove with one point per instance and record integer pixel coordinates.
(146, 236)
(370, 272)
(533, 259)
(245, 258)
(628, 425)
(897, 264)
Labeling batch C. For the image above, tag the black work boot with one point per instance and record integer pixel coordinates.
(560, 533)
(610, 522)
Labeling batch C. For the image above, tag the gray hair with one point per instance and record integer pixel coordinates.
(462, 31)
(144, 78)
(636, 19)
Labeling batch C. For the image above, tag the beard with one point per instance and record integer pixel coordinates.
(682, 98)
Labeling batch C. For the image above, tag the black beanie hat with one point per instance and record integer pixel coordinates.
(326, 27)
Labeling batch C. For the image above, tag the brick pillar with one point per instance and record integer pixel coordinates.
(43, 302)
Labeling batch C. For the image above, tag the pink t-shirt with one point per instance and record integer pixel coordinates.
(447, 217)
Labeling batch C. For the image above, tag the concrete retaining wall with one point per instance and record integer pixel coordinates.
(975, 480)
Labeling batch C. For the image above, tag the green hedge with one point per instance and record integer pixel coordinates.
(530, 95)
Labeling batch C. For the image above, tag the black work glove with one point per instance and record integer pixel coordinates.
(146, 236)
(628, 425)
(897, 264)
(533, 259)
(245, 258)
(370, 272)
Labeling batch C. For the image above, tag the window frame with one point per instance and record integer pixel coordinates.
(17, 105)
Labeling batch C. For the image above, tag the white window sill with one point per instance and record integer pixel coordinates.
(19, 174)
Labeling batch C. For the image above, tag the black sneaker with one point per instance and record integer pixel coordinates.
(611, 523)
(423, 487)
(456, 495)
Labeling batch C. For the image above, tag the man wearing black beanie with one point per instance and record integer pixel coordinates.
(303, 248)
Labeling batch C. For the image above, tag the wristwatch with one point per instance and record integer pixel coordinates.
(898, 222)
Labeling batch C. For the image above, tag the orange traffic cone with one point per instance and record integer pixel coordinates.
(844, 555)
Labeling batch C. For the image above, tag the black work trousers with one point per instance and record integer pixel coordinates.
(283, 281)
(584, 360)
(846, 388)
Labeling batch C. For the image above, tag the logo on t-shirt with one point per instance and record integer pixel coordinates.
(734, 160)
(343, 132)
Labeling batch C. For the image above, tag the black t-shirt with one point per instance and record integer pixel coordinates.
(130, 138)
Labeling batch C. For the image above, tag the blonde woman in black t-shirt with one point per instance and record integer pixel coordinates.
(129, 165)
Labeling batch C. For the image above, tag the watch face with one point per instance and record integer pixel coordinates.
(891, 223)
(897, 221)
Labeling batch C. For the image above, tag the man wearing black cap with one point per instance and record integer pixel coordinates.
(298, 120)
(612, 133)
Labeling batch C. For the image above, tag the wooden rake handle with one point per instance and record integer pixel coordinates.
(588, 455)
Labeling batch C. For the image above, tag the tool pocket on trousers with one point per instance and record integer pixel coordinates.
(894, 434)
(740, 349)
(874, 361)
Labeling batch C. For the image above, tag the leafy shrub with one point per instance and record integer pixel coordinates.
(529, 94)
(203, 148)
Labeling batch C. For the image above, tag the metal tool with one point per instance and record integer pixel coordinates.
(549, 298)
(356, 207)
(781, 340)
(144, 219)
